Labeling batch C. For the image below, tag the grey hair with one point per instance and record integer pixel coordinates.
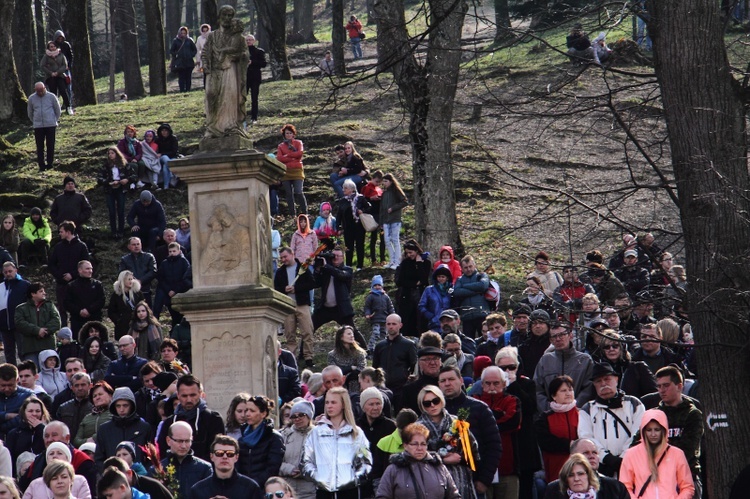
(497, 370)
(508, 352)
(349, 184)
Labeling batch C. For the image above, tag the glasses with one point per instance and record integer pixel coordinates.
(611, 347)
(278, 493)
(223, 453)
(182, 442)
(558, 335)
(430, 360)
(511, 367)
(429, 403)
(297, 416)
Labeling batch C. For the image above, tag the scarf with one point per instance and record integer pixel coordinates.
(535, 299)
(99, 409)
(193, 413)
(251, 437)
(131, 145)
(141, 327)
(436, 430)
(562, 407)
(352, 198)
(443, 288)
(589, 494)
(376, 291)
(289, 145)
(613, 403)
(52, 53)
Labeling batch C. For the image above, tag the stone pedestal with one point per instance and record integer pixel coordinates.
(233, 310)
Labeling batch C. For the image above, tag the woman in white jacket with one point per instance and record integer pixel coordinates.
(295, 436)
(337, 456)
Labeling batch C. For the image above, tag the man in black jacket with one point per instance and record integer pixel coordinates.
(74, 410)
(63, 263)
(335, 282)
(12, 294)
(225, 482)
(141, 264)
(147, 219)
(85, 297)
(396, 355)
(299, 291)
(175, 276)
(482, 425)
(70, 205)
(191, 410)
(254, 76)
(430, 362)
(125, 426)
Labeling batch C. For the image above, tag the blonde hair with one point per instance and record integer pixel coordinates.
(670, 330)
(346, 402)
(119, 285)
(567, 469)
(654, 450)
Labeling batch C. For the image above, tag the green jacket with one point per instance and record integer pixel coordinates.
(32, 232)
(90, 425)
(29, 321)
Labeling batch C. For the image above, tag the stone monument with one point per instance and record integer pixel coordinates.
(233, 310)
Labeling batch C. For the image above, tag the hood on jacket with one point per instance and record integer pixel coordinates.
(83, 334)
(164, 126)
(445, 248)
(122, 393)
(309, 229)
(58, 34)
(442, 269)
(46, 354)
(654, 415)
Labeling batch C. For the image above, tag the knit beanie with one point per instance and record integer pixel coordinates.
(302, 406)
(65, 333)
(67, 179)
(59, 446)
(369, 393)
(377, 280)
(146, 196)
(325, 206)
(129, 446)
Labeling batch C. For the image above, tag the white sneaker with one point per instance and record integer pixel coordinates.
(139, 184)
(70, 111)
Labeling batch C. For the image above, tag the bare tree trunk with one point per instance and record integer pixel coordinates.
(77, 33)
(41, 36)
(157, 72)
(127, 32)
(272, 15)
(112, 49)
(297, 20)
(54, 17)
(707, 134)
(338, 36)
(428, 93)
(173, 20)
(502, 21)
(191, 14)
(210, 13)
(251, 13)
(307, 31)
(12, 99)
(23, 45)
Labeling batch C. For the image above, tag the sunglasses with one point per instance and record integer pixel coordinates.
(223, 453)
(429, 403)
(611, 347)
(278, 493)
(511, 367)
(297, 416)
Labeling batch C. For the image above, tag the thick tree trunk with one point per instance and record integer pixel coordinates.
(428, 93)
(23, 45)
(272, 15)
(157, 67)
(12, 99)
(307, 31)
(54, 13)
(502, 21)
(250, 27)
(297, 14)
(338, 36)
(127, 33)
(41, 35)
(210, 13)
(77, 33)
(707, 133)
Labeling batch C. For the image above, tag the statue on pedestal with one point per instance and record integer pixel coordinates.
(224, 59)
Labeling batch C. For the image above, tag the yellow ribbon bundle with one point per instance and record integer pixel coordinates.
(463, 434)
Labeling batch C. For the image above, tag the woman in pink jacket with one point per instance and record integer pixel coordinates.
(304, 240)
(653, 469)
(290, 153)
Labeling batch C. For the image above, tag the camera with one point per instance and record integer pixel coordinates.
(324, 258)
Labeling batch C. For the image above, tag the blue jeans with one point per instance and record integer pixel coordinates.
(337, 182)
(116, 205)
(392, 242)
(356, 47)
(375, 336)
(165, 171)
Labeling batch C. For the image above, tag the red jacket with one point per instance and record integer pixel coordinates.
(506, 409)
(292, 159)
(453, 265)
(354, 27)
(555, 431)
